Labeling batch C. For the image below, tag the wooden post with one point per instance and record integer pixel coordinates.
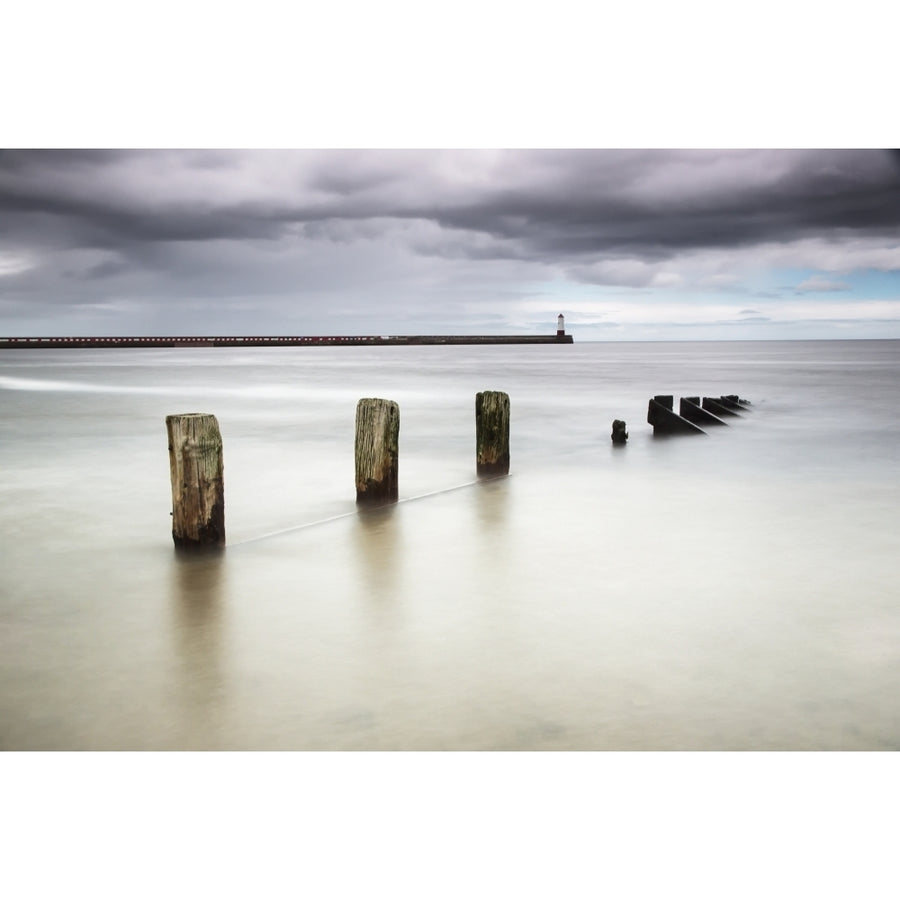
(492, 433)
(717, 408)
(377, 440)
(665, 420)
(198, 487)
(619, 434)
(691, 410)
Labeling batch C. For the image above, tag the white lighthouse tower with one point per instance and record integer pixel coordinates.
(560, 325)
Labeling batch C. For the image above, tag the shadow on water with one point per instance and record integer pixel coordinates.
(198, 626)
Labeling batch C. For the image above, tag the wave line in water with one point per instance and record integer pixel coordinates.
(364, 511)
(268, 391)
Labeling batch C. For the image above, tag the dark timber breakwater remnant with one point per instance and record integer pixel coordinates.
(377, 443)
(691, 410)
(195, 459)
(719, 408)
(492, 433)
(198, 487)
(662, 416)
(195, 453)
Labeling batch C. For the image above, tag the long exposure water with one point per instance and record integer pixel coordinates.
(729, 591)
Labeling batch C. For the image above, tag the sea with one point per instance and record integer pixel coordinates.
(733, 590)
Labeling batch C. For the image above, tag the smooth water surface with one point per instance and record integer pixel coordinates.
(728, 591)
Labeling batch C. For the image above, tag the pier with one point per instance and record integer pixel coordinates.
(331, 340)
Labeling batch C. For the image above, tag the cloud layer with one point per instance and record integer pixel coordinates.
(360, 241)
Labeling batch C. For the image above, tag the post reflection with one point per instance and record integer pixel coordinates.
(198, 626)
(492, 505)
(375, 535)
(492, 539)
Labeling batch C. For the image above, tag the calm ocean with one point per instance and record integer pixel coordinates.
(733, 591)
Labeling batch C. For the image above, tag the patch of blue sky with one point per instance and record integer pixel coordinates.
(856, 284)
(872, 284)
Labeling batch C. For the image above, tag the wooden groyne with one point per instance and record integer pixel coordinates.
(692, 413)
(196, 462)
(196, 467)
(662, 416)
(718, 407)
(376, 450)
(691, 410)
(329, 340)
(492, 432)
(619, 432)
(198, 487)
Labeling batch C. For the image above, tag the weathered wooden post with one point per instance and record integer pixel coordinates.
(619, 434)
(662, 416)
(492, 433)
(690, 409)
(198, 486)
(732, 401)
(377, 440)
(717, 408)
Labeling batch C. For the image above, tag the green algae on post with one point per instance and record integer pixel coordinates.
(492, 433)
(376, 452)
(198, 486)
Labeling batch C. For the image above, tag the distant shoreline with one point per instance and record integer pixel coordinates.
(37, 343)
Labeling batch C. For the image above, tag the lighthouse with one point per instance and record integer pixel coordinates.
(560, 325)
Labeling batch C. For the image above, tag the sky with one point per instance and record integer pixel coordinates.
(627, 244)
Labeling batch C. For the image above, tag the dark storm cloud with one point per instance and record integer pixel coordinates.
(571, 204)
(457, 236)
(555, 206)
(97, 199)
(651, 204)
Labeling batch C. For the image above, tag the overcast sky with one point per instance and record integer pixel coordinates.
(629, 245)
